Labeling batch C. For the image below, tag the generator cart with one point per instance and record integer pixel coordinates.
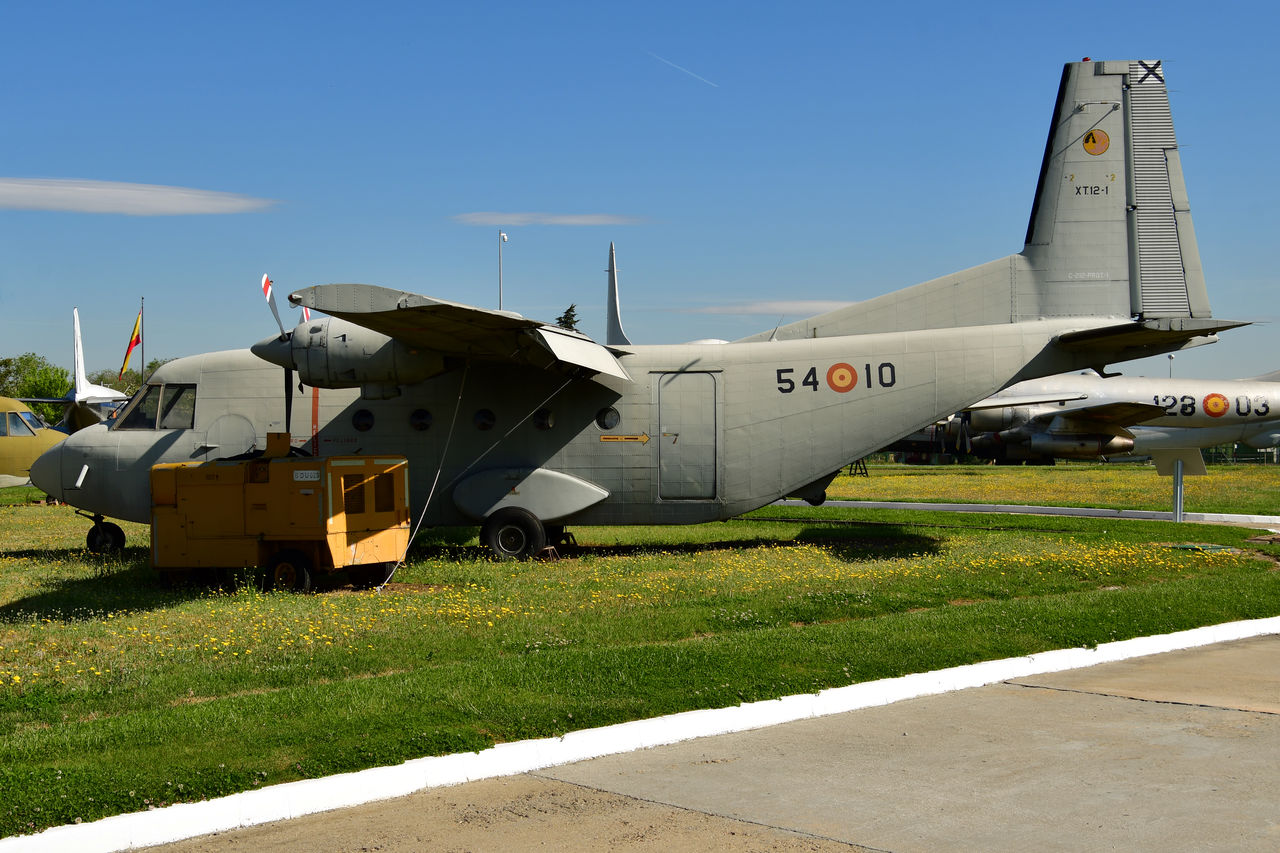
(292, 517)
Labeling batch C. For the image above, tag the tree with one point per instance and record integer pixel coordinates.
(130, 382)
(569, 319)
(31, 375)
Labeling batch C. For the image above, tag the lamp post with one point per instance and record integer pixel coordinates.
(502, 238)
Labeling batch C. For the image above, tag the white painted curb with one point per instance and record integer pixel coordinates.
(292, 799)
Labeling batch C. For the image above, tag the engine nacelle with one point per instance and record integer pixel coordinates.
(1081, 446)
(998, 420)
(333, 353)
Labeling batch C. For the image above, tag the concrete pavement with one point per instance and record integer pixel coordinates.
(1177, 751)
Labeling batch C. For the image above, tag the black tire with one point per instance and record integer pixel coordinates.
(288, 571)
(104, 538)
(513, 534)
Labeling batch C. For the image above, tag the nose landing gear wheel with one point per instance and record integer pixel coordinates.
(104, 537)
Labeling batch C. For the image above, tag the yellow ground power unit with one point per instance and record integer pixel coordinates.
(291, 516)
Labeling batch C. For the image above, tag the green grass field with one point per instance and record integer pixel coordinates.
(1246, 489)
(117, 694)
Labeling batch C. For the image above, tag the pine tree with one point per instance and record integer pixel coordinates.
(569, 319)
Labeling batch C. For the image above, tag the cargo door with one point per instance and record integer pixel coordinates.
(687, 436)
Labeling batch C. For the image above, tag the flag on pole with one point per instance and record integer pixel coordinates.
(134, 340)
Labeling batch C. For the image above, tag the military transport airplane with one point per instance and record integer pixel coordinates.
(1086, 416)
(522, 428)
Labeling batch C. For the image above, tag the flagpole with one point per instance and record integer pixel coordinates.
(142, 340)
(502, 238)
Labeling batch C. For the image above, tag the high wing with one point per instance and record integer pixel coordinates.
(457, 330)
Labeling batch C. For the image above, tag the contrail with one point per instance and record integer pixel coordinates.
(685, 70)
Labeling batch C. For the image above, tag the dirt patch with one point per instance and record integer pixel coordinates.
(515, 813)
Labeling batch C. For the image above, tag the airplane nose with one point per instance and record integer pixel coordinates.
(46, 472)
(277, 350)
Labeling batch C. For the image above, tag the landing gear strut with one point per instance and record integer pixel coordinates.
(104, 537)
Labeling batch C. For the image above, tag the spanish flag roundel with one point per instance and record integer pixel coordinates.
(1216, 405)
(842, 377)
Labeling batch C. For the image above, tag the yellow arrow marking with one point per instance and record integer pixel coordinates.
(643, 438)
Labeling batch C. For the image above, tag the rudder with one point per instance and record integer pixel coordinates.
(1111, 223)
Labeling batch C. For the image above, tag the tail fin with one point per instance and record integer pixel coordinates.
(80, 379)
(1111, 223)
(87, 403)
(616, 336)
(1110, 235)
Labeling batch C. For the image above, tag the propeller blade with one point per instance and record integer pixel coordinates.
(271, 300)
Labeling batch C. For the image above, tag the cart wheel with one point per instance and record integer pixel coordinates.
(104, 537)
(513, 533)
(288, 571)
(371, 575)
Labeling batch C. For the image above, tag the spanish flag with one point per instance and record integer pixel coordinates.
(134, 340)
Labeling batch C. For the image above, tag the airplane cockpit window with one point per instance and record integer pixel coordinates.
(4, 427)
(33, 420)
(17, 426)
(160, 407)
(140, 412)
(178, 407)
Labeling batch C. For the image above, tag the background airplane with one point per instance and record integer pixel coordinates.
(1086, 416)
(84, 403)
(522, 427)
(23, 438)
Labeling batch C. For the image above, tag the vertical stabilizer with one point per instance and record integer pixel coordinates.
(616, 336)
(1111, 224)
(85, 399)
(80, 380)
(1110, 235)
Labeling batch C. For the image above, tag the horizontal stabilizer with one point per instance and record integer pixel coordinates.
(1124, 341)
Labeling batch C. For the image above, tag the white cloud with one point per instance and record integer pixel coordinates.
(796, 307)
(113, 197)
(493, 217)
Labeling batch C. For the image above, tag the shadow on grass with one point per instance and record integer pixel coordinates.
(853, 543)
(121, 582)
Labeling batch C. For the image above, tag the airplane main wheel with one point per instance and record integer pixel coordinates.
(513, 533)
(104, 537)
(288, 571)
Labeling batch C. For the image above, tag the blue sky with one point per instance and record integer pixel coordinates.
(738, 154)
